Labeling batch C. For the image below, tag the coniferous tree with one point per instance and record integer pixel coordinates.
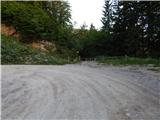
(136, 29)
(106, 19)
(92, 27)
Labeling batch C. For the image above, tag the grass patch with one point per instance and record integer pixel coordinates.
(129, 61)
(14, 52)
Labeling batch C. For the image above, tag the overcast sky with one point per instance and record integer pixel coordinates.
(88, 11)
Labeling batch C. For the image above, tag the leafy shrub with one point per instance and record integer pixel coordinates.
(14, 52)
(30, 20)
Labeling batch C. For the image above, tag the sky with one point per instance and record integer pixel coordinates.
(88, 11)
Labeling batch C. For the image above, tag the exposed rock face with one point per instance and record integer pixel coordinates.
(43, 45)
(9, 31)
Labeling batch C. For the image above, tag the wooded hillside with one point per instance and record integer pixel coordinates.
(129, 28)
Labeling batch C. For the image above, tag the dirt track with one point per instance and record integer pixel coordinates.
(80, 91)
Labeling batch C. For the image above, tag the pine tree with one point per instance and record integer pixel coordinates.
(136, 29)
(92, 27)
(151, 13)
(106, 16)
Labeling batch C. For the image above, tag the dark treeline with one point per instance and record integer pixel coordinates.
(129, 28)
(138, 28)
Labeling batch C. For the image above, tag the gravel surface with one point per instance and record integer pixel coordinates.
(80, 91)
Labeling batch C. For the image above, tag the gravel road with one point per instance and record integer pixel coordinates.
(80, 91)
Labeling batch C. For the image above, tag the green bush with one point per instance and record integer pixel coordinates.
(14, 52)
(29, 19)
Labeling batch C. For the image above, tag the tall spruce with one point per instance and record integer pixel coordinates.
(136, 29)
(106, 19)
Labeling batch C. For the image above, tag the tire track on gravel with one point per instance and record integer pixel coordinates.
(76, 92)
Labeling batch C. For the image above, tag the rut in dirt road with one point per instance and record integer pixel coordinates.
(80, 91)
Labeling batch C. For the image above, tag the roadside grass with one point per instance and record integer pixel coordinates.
(129, 61)
(15, 52)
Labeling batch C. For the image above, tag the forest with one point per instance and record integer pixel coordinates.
(129, 29)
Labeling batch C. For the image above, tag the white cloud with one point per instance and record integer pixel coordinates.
(88, 11)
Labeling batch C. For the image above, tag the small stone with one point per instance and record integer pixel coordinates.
(128, 114)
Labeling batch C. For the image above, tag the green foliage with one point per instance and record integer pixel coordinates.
(92, 44)
(85, 41)
(41, 20)
(60, 11)
(133, 28)
(14, 52)
(129, 28)
(30, 20)
(38, 20)
(107, 15)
